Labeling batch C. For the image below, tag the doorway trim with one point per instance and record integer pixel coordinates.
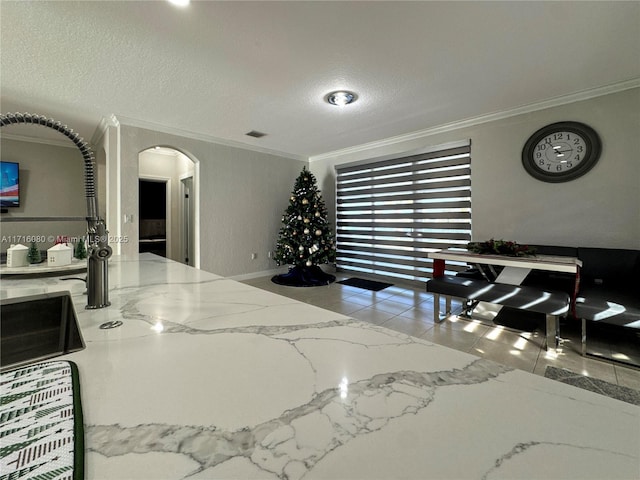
(196, 187)
(188, 225)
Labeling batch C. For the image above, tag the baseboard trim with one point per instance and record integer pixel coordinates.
(264, 273)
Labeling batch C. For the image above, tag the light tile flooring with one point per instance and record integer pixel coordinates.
(410, 310)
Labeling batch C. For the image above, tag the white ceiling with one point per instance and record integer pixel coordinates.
(220, 69)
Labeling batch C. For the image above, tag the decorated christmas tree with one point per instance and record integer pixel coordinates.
(305, 238)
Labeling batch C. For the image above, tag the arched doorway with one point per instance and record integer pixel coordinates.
(167, 220)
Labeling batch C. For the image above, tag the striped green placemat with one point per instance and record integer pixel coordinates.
(41, 424)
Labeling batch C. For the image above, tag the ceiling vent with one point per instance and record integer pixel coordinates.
(255, 134)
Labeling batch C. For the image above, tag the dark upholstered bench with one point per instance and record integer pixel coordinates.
(551, 303)
(610, 290)
(617, 309)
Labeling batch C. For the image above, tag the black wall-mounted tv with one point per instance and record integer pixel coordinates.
(9, 184)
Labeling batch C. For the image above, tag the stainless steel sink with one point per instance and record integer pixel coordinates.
(37, 327)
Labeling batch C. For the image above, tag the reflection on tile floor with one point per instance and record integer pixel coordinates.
(410, 310)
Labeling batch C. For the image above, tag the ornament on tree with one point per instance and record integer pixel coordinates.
(318, 232)
(306, 231)
(305, 201)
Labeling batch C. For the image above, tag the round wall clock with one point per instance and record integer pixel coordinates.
(561, 151)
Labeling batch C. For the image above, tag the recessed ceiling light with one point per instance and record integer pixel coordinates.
(180, 3)
(341, 98)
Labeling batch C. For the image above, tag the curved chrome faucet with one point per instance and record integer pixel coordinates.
(99, 250)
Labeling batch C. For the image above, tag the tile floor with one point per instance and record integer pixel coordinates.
(410, 310)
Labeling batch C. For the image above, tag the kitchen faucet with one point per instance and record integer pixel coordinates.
(98, 248)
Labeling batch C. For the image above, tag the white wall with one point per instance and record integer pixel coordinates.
(600, 209)
(51, 185)
(241, 193)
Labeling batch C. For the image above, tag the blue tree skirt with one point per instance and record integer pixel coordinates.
(304, 277)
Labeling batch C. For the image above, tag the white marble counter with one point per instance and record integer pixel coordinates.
(210, 378)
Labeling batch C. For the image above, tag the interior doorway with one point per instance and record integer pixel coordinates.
(167, 172)
(153, 195)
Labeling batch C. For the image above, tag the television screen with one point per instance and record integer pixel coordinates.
(9, 186)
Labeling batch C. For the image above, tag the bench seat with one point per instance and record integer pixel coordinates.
(551, 303)
(617, 308)
(613, 308)
(515, 296)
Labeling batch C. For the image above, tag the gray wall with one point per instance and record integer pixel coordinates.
(242, 195)
(600, 209)
(51, 185)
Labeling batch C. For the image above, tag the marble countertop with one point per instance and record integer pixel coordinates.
(211, 378)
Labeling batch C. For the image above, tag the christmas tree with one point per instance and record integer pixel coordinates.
(81, 250)
(33, 255)
(305, 238)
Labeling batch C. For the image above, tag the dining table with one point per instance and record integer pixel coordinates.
(514, 270)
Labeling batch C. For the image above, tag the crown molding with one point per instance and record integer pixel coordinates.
(105, 122)
(532, 107)
(156, 127)
(66, 143)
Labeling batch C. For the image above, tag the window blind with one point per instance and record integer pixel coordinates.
(391, 213)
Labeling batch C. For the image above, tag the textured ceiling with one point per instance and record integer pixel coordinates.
(221, 69)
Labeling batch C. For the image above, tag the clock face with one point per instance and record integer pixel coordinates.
(560, 152)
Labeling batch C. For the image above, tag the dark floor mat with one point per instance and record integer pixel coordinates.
(365, 284)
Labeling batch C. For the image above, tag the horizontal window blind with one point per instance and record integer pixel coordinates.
(391, 213)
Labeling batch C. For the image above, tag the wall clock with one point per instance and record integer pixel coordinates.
(561, 152)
